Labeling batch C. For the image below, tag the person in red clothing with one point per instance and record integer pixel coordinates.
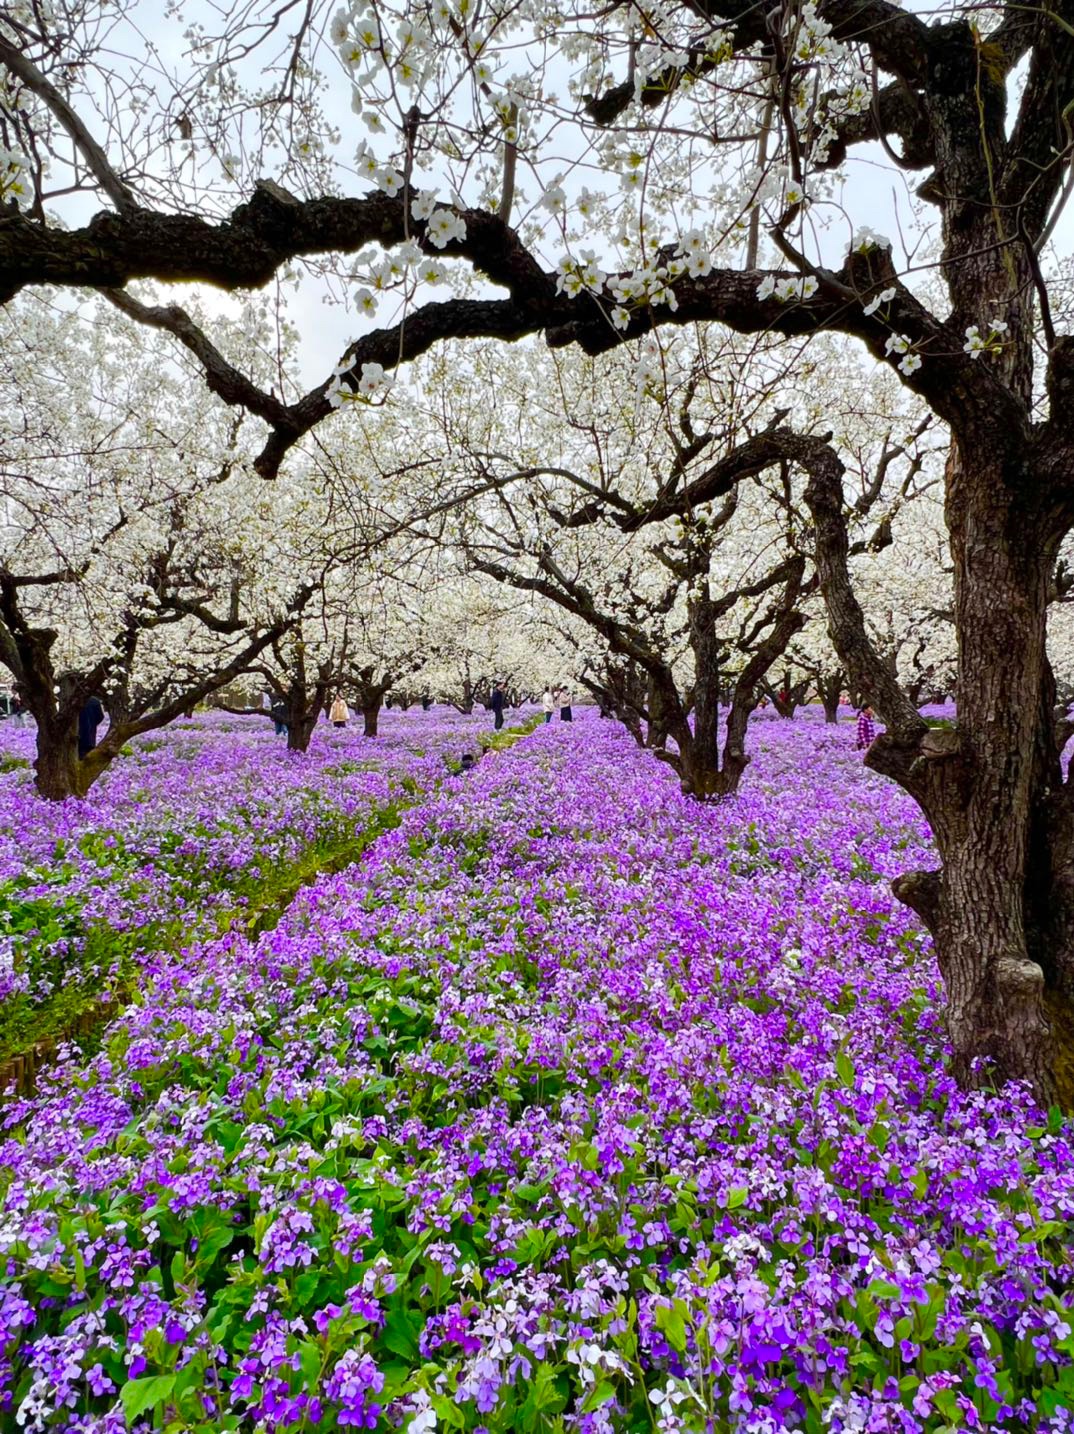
(866, 730)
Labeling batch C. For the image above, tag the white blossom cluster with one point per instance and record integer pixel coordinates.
(646, 286)
(990, 342)
(788, 289)
(13, 181)
(372, 383)
(910, 361)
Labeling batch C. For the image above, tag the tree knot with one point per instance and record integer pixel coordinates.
(1018, 977)
(920, 891)
(938, 744)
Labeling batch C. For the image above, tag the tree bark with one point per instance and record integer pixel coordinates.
(466, 706)
(787, 698)
(300, 729)
(1004, 940)
(56, 766)
(370, 717)
(59, 772)
(657, 704)
(1001, 905)
(829, 690)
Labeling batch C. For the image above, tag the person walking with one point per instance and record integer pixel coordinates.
(496, 703)
(278, 711)
(866, 730)
(89, 719)
(548, 702)
(338, 713)
(565, 713)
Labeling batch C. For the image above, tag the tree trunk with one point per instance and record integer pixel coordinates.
(303, 708)
(59, 772)
(656, 728)
(996, 989)
(829, 691)
(783, 698)
(56, 773)
(699, 748)
(706, 693)
(299, 731)
(1001, 909)
(370, 716)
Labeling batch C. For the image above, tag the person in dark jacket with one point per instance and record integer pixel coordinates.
(278, 711)
(496, 703)
(89, 719)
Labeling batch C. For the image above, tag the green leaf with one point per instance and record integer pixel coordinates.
(598, 1396)
(399, 1335)
(448, 1412)
(211, 1246)
(191, 1376)
(1046, 1230)
(736, 1196)
(138, 1395)
(531, 1246)
(672, 1323)
(529, 1192)
(544, 1398)
(305, 1286)
(309, 1358)
(845, 1067)
(880, 1136)
(886, 1289)
(946, 1401)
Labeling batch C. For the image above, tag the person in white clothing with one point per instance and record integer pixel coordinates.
(548, 702)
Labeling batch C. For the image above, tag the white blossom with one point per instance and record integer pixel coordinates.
(884, 297)
(866, 239)
(554, 199)
(389, 181)
(373, 380)
(422, 204)
(337, 30)
(444, 227)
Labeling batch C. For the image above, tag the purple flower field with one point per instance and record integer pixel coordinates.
(186, 834)
(569, 1105)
